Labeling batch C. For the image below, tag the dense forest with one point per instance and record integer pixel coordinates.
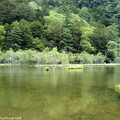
(82, 31)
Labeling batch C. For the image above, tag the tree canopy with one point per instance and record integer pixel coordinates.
(73, 26)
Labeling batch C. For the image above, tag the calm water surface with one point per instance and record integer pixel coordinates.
(60, 94)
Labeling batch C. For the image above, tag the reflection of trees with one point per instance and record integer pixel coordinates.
(5, 99)
(71, 83)
(103, 81)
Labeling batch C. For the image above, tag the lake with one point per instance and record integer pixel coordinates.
(30, 93)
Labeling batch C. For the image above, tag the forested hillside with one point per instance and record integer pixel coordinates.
(71, 26)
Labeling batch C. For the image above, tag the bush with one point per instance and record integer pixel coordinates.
(49, 57)
(98, 58)
(86, 58)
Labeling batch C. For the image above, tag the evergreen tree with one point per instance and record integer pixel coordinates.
(14, 37)
(2, 36)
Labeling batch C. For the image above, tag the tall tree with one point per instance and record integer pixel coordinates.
(7, 8)
(14, 37)
(2, 36)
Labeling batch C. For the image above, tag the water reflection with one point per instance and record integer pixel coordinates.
(59, 94)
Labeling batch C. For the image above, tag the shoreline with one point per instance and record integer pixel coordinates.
(37, 65)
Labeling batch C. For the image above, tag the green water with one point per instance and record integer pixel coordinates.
(60, 94)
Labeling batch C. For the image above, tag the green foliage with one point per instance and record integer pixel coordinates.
(86, 28)
(53, 56)
(113, 32)
(64, 59)
(34, 5)
(28, 57)
(86, 46)
(19, 36)
(9, 57)
(117, 88)
(2, 37)
(1, 57)
(46, 68)
(36, 29)
(38, 44)
(48, 57)
(111, 45)
(72, 57)
(14, 38)
(85, 58)
(85, 14)
(7, 8)
(100, 39)
(54, 22)
(99, 58)
(23, 11)
(76, 67)
(112, 51)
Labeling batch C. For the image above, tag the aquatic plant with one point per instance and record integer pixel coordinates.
(117, 88)
(76, 67)
(46, 68)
